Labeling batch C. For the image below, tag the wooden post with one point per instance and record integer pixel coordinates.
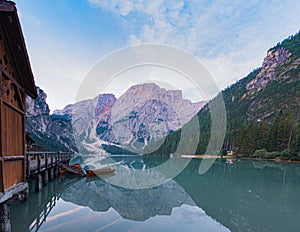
(51, 173)
(5, 225)
(39, 183)
(46, 161)
(56, 159)
(56, 166)
(27, 165)
(51, 188)
(56, 171)
(24, 195)
(51, 160)
(39, 163)
(45, 176)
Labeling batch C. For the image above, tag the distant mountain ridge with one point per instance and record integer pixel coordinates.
(143, 113)
(151, 114)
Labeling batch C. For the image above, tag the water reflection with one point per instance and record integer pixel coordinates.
(238, 195)
(29, 216)
(247, 195)
(138, 205)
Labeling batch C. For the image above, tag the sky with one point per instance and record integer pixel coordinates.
(66, 38)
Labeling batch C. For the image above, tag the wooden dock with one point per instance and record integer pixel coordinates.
(44, 166)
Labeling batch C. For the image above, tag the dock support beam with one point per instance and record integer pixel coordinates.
(56, 171)
(39, 183)
(46, 177)
(51, 173)
(5, 225)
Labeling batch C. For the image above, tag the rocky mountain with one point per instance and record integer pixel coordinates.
(85, 117)
(38, 112)
(145, 113)
(48, 131)
(262, 109)
(142, 114)
(274, 58)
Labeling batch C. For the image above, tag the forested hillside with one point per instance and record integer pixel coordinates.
(262, 109)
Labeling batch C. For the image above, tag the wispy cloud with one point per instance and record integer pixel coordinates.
(66, 38)
(230, 37)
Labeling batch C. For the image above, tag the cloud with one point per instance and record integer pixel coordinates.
(229, 37)
(64, 39)
(162, 76)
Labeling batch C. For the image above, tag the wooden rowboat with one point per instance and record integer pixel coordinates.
(97, 172)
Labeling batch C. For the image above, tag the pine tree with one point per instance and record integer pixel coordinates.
(240, 141)
(263, 135)
(284, 131)
(272, 141)
(297, 139)
(250, 139)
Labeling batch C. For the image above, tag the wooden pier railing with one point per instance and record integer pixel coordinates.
(45, 165)
(39, 161)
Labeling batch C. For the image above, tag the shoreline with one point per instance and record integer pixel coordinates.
(231, 157)
(209, 156)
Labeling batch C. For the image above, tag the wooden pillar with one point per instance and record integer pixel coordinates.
(45, 193)
(5, 224)
(46, 161)
(56, 171)
(51, 173)
(24, 195)
(51, 188)
(39, 183)
(51, 160)
(45, 177)
(39, 200)
(27, 164)
(39, 163)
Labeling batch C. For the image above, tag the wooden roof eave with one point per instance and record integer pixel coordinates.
(12, 28)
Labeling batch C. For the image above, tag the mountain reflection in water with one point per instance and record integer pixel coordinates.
(238, 196)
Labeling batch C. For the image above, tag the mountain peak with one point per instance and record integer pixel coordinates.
(286, 52)
(274, 58)
(146, 112)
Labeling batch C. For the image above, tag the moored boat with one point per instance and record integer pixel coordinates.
(97, 172)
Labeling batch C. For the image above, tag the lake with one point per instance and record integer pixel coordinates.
(240, 195)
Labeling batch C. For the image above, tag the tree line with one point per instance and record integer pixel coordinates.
(269, 140)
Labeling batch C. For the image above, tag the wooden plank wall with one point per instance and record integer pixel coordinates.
(13, 132)
(12, 146)
(12, 121)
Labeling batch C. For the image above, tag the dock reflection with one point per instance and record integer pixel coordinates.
(30, 215)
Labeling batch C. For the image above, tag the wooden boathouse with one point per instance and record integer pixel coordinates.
(17, 81)
(18, 159)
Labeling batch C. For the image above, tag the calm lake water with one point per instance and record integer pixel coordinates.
(230, 196)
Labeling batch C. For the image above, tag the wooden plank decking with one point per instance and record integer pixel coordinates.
(39, 161)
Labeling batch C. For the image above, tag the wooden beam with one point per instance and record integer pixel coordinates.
(20, 157)
(13, 191)
(13, 107)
